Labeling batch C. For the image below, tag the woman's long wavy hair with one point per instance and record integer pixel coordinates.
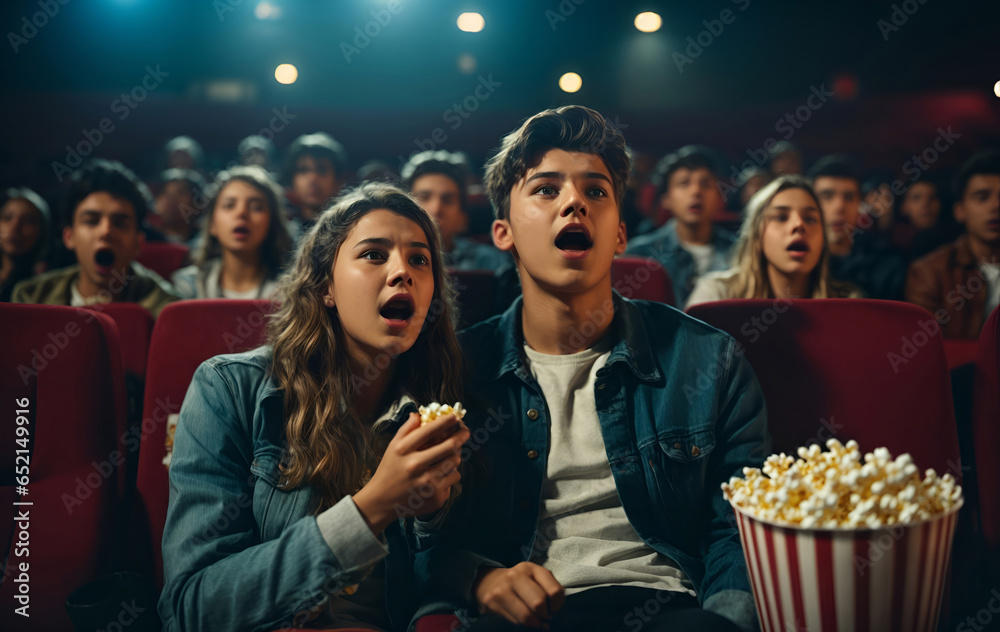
(328, 445)
(748, 275)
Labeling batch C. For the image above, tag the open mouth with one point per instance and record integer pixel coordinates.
(241, 231)
(574, 239)
(104, 258)
(398, 309)
(798, 246)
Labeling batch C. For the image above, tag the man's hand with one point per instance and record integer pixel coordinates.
(527, 594)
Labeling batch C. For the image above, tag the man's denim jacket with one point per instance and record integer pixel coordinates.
(663, 245)
(681, 412)
(239, 552)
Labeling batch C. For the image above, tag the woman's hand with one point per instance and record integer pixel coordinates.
(416, 473)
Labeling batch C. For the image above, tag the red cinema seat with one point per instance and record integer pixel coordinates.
(438, 623)
(135, 328)
(186, 334)
(857, 369)
(642, 278)
(960, 352)
(163, 258)
(986, 431)
(65, 366)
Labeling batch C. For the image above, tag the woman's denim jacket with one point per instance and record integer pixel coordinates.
(238, 552)
(681, 412)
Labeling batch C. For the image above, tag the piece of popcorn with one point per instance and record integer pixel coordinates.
(842, 488)
(434, 410)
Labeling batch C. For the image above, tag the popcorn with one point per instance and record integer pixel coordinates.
(434, 410)
(838, 488)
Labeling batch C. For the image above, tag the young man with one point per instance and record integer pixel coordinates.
(597, 451)
(179, 205)
(315, 171)
(437, 180)
(959, 283)
(105, 206)
(688, 245)
(785, 159)
(862, 257)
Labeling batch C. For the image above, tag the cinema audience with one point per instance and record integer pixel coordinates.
(104, 207)
(959, 283)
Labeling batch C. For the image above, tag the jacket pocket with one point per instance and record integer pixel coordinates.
(688, 447)
(683, 458)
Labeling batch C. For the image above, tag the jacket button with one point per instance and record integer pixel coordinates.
(677, 446)
(532, 454)
(695, 450)
(532, 414)
(600, 386)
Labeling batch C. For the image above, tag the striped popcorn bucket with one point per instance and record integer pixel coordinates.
(832, 580)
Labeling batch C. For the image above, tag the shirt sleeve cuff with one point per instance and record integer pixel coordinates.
(349, 537)
(736, 605)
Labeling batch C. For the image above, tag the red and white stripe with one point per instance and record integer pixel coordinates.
(840, 580)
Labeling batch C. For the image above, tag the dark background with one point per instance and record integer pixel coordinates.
(893, 88)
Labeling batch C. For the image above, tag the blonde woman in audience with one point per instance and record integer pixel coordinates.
(245, 241)
(781, 252)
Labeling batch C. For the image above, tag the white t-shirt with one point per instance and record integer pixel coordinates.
(711, 287)
(584, 537)
(702, 255)
(991, 272)
(79, 300)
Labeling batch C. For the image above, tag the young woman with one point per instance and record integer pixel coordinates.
(293, 462)
(24, 220)
(781, 252)
(245, 240)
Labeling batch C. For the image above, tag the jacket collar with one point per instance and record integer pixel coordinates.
(721, 238)
(632, 348)
(964, 256)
